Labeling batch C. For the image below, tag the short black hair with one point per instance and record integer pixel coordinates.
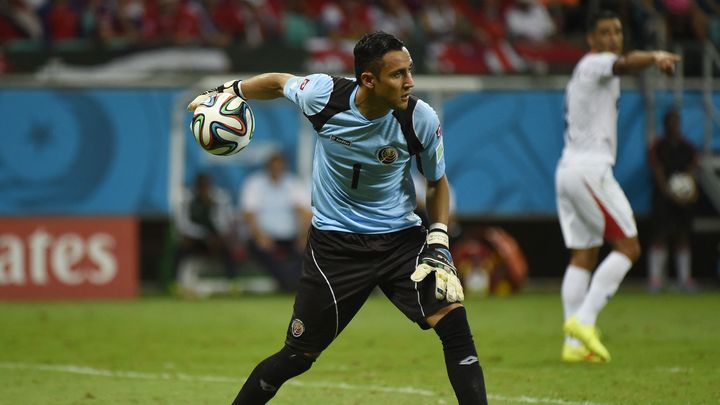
(598, 16)
(371, 48)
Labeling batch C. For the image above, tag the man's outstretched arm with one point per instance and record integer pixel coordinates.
(265, 86)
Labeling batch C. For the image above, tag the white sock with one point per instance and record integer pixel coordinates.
(657, 259)
(682, 264)
(573, 290)
(603, 286)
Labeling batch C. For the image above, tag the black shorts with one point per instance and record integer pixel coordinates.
(340, 271)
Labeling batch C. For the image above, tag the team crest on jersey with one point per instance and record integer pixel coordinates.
(387, 154)
(297, 327)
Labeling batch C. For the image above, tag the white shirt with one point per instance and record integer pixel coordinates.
(591, 104)
(275, 203)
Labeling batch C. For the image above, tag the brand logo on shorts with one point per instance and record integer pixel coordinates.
(297, 327)
(387, 154)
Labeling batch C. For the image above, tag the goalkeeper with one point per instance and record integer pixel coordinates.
(364, 233)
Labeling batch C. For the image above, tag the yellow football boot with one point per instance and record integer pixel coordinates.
(588, 336)
(575, 354)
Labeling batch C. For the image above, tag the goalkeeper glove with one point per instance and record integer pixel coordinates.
(435, 257)
(231, 87)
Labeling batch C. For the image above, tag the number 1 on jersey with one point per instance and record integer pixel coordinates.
(356, 175)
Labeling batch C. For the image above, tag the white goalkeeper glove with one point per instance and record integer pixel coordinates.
(231, 87)
(435, 257)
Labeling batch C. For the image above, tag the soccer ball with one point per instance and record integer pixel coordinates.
(682, 186)
(223, 124)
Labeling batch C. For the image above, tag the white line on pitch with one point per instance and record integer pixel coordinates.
(140, 375)
(532, 400)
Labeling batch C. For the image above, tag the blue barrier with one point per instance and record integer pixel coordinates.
(106, 151)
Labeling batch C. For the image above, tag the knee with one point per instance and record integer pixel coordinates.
(630, 248)
(293, 362)
(433, 319)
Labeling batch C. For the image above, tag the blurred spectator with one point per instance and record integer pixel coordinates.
(19, 21)
(458, 36)
(671, 156)
(529, 20)
(298, 24)
(63, 22)
(711, 11)
(229, 18)
(262, 21)
(533, 34)
(685, 20)
(493, 51)
(452, 45)
(349, 19)
(276, 207)
(442, 22)
(204, 220)
(393, 17)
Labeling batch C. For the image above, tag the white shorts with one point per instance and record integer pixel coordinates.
(591, 206)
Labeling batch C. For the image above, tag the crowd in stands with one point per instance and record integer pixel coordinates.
(458, 36)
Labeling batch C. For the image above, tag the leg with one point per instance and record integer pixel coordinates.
(607, 278)
(577, 279)
(683, 252)
(272, 264)
(461, 360)
(657, 260)
(573, 290)
(333, 286)
(604, 284)
(267, 377)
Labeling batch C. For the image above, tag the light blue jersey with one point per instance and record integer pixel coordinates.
(361, 170)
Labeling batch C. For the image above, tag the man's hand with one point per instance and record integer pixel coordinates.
(231, 87)
(436, 258)
(665, 61)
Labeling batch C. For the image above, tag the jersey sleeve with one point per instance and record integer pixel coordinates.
(310, 93)
(599, 65)
(427, 128)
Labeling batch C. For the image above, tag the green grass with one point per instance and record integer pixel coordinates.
(170, 351)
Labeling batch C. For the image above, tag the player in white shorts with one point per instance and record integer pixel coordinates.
(591, 205)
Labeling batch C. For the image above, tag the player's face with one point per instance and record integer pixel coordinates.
(607, 36)
(395, 81)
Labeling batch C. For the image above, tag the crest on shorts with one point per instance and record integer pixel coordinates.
(387, 154)
(297, 327)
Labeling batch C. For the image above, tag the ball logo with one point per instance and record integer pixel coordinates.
(297, 327)
(387, 155)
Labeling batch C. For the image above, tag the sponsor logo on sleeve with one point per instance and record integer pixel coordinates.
(304, 83)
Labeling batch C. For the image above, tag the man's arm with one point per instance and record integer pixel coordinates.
(437, 201)
(265, 86)
(435, 256)
(635, 61)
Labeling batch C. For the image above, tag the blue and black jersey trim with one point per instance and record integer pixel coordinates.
(340, 101)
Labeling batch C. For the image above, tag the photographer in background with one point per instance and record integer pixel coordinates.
(673, 163)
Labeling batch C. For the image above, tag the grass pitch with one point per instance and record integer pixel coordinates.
(169, 351)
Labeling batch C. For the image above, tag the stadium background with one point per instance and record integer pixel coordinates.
(95, 126)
